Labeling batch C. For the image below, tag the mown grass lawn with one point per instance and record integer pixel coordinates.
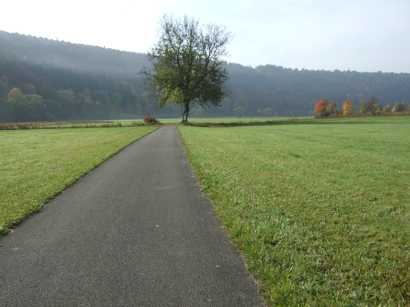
(321, 212)
(37, 164)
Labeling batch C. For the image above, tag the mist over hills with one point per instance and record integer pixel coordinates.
(74, 57)
(70, 81)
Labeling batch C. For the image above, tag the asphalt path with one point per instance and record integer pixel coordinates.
(135, 231)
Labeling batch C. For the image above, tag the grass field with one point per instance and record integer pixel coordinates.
(37, 164)
(72, 124)
(118, 123)
(320, 211)
(225, 120)
(199, 121)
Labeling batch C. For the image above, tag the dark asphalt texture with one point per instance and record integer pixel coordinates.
(136, 231)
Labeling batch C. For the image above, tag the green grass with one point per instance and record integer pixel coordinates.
(283, 120)
(279, 120)
(72, 124)
(197, 121)
(37, 164)
(320, 211)
(222, 119)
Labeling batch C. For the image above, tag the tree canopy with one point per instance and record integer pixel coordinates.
(187, 63)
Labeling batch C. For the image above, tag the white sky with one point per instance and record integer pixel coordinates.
(364, 35)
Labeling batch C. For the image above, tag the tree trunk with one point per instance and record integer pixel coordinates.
(186, 112)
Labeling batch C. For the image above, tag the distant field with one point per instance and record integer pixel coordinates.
(132, 122)
(282, 120)
(37, 164)
(201, 121)
(72, 124)
(229, 119)
(320, 210)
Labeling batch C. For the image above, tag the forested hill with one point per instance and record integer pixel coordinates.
(42, 79)
(277, 90)
(74, 57)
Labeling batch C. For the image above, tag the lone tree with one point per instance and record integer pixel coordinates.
(187, 63)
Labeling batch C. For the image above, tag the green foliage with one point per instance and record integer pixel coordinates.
(37, 164)
(387, 108)
(331, 109)
(370, 107)
(320, 210)
(187, 63)
(4, 87)
(69, 95)
(15, 95)
(25, 107)
(399, 107)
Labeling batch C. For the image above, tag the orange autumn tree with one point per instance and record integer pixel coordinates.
(347, 108)
(321, 108)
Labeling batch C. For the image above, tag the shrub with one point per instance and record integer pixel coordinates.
(387, 108)
(347, 108)
(331, 109)
(398, 107)
(322, 108)
(149, 120)
(370, 107)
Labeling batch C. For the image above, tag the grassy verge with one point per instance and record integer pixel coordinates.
(37, 164)
(320, 211)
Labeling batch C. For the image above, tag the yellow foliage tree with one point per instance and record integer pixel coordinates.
(347, 108)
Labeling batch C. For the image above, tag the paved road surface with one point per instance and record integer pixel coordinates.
(134, 232)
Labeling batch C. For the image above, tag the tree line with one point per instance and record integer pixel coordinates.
(30, 93)
(43, 79)
(326, 108)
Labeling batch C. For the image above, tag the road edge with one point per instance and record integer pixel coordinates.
(197, 179)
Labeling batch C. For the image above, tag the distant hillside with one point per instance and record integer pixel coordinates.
(272, 89)
(60, 80)
(74, 57)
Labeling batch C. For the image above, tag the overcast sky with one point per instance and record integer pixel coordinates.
(363, 35)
